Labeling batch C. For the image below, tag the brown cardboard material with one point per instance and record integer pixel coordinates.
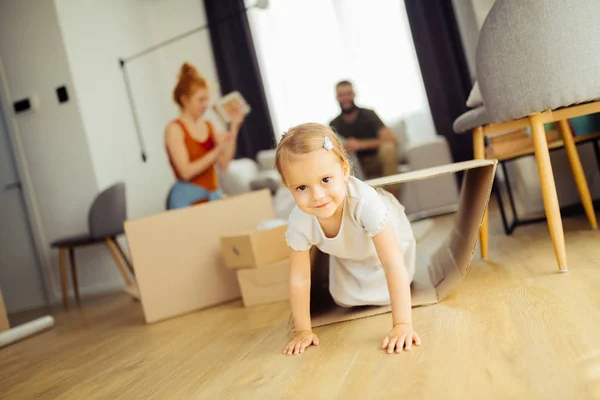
(4, 325)
(268, 284)
(439, 269)
(255, 249)
(177, 256)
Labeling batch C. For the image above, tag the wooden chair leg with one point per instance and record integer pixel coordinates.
(113, 251)
(479, 153)
(74, 275)
(62, 255)
(549, 195)
(577, 169)
(116, 242)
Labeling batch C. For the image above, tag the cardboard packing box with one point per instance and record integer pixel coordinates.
(255, 248)
(177, 257)
(4, 325)
(268, 284)
(261, 258)
(440, 266)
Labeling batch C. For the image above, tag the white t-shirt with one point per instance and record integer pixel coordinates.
(356, 276)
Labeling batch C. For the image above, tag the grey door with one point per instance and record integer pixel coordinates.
(20, 277)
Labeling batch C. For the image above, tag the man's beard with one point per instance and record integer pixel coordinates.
(348, 110)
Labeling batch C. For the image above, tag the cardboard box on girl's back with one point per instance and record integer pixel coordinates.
(441, 264)
(180, 267)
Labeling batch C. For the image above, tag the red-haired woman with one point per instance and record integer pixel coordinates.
(193, 146)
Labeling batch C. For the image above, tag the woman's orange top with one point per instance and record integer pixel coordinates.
(196, 150)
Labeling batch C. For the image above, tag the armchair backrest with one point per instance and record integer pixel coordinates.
(536, 55)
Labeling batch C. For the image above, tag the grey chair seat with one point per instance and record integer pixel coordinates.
(76, 240)
(471, 120)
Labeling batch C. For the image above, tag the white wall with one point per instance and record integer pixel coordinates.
(346, 40)
(482, 8)
(54, 143)
(170, 18)
(74, 150)
(128, 27)
(469, 31)
(96, 35)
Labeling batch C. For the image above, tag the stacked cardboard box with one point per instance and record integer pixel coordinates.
(260, 258)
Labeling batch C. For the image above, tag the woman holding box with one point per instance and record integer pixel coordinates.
(193, 147)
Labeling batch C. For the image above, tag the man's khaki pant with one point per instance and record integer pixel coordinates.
(384, 163)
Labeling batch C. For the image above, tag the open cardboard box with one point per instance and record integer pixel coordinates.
(441, 269)
(176, 254)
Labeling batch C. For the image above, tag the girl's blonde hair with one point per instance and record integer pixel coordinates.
(306, 138)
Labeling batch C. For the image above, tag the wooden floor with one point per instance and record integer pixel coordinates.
(514, 329)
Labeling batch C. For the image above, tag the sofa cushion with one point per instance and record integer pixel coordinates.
(266, 159)
(239, 175)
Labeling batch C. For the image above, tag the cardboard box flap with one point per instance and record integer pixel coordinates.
(456, 256)
(442, 263)
(430, 172)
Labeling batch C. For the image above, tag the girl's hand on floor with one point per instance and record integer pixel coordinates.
(301, 341)
(403, 335)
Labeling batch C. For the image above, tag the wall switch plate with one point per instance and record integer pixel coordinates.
(26, 105)
(61, 93)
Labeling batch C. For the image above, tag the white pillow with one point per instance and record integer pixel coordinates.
(474, 99)
(236, 180)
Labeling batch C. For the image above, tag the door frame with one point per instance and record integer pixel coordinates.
(31, 205)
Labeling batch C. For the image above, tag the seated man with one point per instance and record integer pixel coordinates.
(365, 135)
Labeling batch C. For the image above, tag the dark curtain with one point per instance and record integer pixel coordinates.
(444, 68)
(237, 67)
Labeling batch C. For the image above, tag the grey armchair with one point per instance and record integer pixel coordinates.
(537, 62)
(106, 217)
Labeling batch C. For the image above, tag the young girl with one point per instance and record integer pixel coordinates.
(364, 230)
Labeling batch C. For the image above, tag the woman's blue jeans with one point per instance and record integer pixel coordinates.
(184, 194)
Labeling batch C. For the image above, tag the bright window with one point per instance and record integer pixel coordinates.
(305, 47)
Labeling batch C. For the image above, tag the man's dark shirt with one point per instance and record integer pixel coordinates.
(365, 126)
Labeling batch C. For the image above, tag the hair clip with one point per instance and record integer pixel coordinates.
(327, 143)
